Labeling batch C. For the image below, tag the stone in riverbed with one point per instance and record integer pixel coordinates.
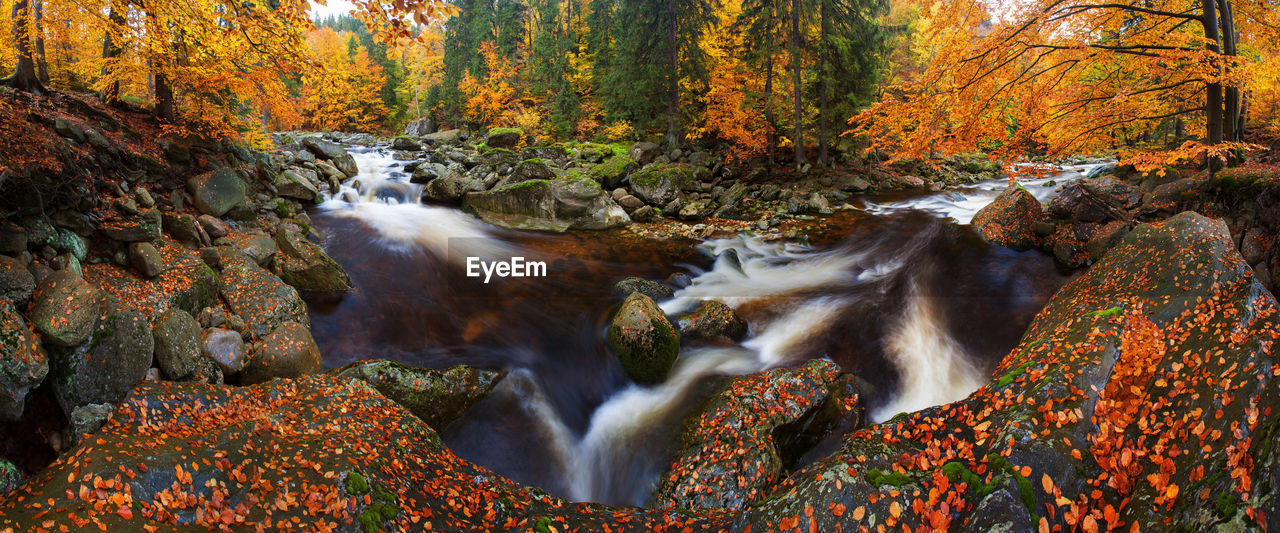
(334, 153)
(661, 184)
(215, 193)
(712, 320)
(23, 363)
(305, 265)
(102, 370)
(64, 308)
(299, 184)
(288, 352)
(406, 143)
(643, 339)
(438, 397)
(177, 343)
(1010, 220)
(451, 187)
(548, 205)
(652, 289)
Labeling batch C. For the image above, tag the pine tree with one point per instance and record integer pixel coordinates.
(849, 50)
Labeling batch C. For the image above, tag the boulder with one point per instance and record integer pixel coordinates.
(1010, 219)
(16, 282)
(186, 283)
(551, 155)
(1094, 200)
(451, 187)
(262, 249)
(652, 289)
(263, 300)
(424, 174)
(288, 352)
(504, 137)
(213, 226)
(23, 363)
(644, 214)
(182, 227)
(227, 348)
(13, 238)
(407, 144)
(176, 335)
(146, 259)
(643, 339)
(215, 193)
(102, 370)
(644, 153)
(728, 456)
(437, 397)
(527, 170)
(613, 172)
(712, 320)
(548, 205)
(630, 203)
(71, 243)
(443, 137)
(299, 184)
(142, 227)
(333, 152)
(305, 265)
(420, 127)
(88, 419)
(661, 184)
(64, 309)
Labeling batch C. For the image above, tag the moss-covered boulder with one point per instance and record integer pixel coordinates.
(305, 265)
(288, 352)
(108, 364)
(216, 192)
(299, 184)
(438, 397)
(1010, 219)
(652, 289)
(334, 152)
(660, 184)
(176, 336)
(64, 308)
(261, 298)
(712, 320)
(506, 138)
(613, 171)
(187, 283)
(23, 363)
(643, 339)
(548, 205)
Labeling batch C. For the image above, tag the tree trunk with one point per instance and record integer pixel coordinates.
(24, 73)
(110, 52)
(796, 62)
(42, 66)
(1213, 91)
(824, 157)
(769, 119)
(1231, 113)
(673, 98)
(164, 98)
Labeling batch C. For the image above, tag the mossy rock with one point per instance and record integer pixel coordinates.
(438, 397)
(643, 339)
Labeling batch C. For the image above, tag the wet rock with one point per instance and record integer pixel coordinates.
(644, 153)
(143, 227)
(630, 203)
(16, 282)
(288, 352)
(260, 248)
(207, 370)
(215, 193)
(305, 265)
(1010, 220)
(115, 357)
(644, 214)
(693, 210)
(643, 339)
(177, 343)
(504, 137)
(88, 419)
(299, 184)
(1105, 238)
(213, 226)
(186, 283)
(652, 289)
(23, 363)
(728, 458)
(548, 205)
(451, 187)
(146, 259)
(661, 184)
(712, 320)
(1094, 200)
(424, 174)
(227, 348)
(333, 152)
(182, 227)
(612, 173)
(64, 309)
(407, 143)
(259, 297)
(817, 203)
(437, 397)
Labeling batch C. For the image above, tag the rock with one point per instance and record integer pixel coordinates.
(423, 174)
(548, 205)
(146, 259)
(16, 282)
(661, 184)
(144, 199)
(329, 172)
(10, 476)
(630, 203)
(406, 143)
(551, 155)
(288, 352)
(306, 266)
(182, 227)
(1044, 229)
(259, 297)
(1010, 220)
(1105, 238)
(299, 184)
(71, 243)
(207, 370)
(643, 339)
(23, 363)
(443, 137)
(655, 291)
(216, 192)
(1170, 196)
(693, 210)
(213, 226)
(451, 187)
(420, 127)
(712, 320)
(817, 203)
(732, 437)
(262, 249)
(333, 152)
(88, 419)
(64, 309)
(1094, 200)
(102, 370)
(528, 170)
(40, 232)
(227, 348)
(612, 173)
(1070, 251)
(143, 227)
(504, 137)
(437, 397)
(177, 341)
(644, 214)
(67, 129)
(644, 153)
(13, 238)
(186, 283)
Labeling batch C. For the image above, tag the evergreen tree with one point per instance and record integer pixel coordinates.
(850, 46)
(551, 71)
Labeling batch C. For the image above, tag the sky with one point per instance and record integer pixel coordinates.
(335, 7)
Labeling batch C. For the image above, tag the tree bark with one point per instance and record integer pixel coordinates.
(24, 73)
(769, 119)
(824, 157)
(673, 99)
(1231, 130)
(110, 52)
(796, 63)
(42, 66)
(1213, 91)
(164, 98)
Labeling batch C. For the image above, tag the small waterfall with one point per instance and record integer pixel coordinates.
(962, 203)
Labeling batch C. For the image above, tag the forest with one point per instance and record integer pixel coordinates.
(802, 80)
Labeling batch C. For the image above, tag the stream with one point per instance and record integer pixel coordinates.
(898, 292)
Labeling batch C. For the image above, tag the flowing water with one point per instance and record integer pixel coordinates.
(898, 294)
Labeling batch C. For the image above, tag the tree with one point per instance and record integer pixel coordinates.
(850, 46)
(24, 77)
(343, 92)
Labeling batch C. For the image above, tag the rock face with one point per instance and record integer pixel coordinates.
(334, 153)
(1010, 219)
(306, 266)
(643, 339)
(215, 193)
(23, 363)
(438, 397)
(659, 185)
(548, 205)
(64, 309)
(262, 299)
(729, 444)
(287, 352)
(105, 367)
(177, 343)
(187, 283)
(712, 320)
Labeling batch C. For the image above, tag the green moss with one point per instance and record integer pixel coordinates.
(1227, 505)
(542, 524)
(356, 484)
(527, 185)
(882, 477)
(1114, 311)
(503, 131)
(1025, 492)
(957, 472)
(1008, 378)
